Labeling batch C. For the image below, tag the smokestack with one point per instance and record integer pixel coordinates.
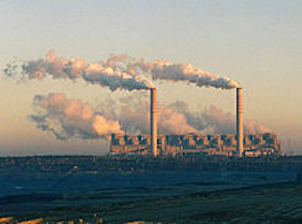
(239, 113)
(153, 123)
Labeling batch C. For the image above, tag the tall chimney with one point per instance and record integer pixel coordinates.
(239, 124)
(153, 123)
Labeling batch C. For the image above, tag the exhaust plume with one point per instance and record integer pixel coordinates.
(120, 71)
(136, 120)
(176, 118)
(67, 118)
(166, 70)
(132, 112)
(103, 73)
(73, 118)
(214, 120)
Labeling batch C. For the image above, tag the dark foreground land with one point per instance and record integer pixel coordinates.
(270, 203)
(172, 191)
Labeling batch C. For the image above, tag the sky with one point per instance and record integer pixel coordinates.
(257, 43)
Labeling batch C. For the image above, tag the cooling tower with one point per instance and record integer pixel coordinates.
(153, 123)
(239, 120)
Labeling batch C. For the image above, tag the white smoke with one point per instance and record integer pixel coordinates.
(214, 120)
(67, 118)
(136, 119)
(103, 73)
(166, 70)
(176, 118)
(120, 71)
(255, 127)
(133, 113)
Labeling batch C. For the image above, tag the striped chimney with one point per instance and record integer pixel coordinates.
(153, 123)
(239, 122)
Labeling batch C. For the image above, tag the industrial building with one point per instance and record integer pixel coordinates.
(254, 145)
(228, 144)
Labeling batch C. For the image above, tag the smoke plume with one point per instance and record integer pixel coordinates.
(66, 118)
(214, 120)
(103, 73)
(166, 70)
(135, 118)
(176, 118)
(120, 71)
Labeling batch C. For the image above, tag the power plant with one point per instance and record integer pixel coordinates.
(123, 72)
(195, 143)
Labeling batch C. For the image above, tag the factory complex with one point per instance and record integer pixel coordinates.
(194, 143)
(226, 144)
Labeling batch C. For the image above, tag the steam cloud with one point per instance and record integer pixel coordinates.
(96, 73)
(176, 118)
(166, 70)
(135, 118)
(120, 71)
(72, 117)
(67, 118)
(214, 120)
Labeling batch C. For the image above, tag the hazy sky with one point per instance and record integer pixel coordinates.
(256, 42)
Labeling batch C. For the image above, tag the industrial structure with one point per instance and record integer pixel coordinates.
(227, 144)
(239, 121)
(153, 123)
(253, 145)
